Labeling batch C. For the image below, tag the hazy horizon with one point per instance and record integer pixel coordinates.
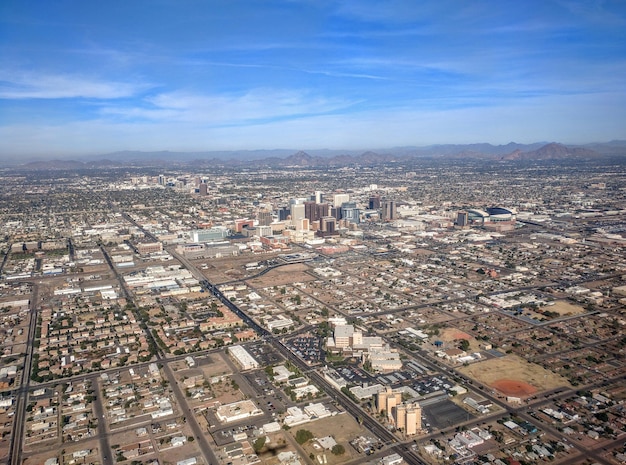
(87, 78)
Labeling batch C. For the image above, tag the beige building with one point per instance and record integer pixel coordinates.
(387, 400)
(343, 335)
(406, 417)
(150, 247)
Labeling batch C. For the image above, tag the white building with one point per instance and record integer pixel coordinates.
(237, 411)
(243, 358)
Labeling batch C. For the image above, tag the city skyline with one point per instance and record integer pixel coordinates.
(88, 78)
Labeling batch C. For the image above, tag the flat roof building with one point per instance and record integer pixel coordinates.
(237, 411)
(243, 358)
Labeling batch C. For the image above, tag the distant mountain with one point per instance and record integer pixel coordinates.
(337, 158)
(613, 148)
(553, 151)
(55, 165)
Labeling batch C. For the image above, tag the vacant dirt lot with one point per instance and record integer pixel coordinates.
(513, 368)
(282, 275)
(343, 428)
(565, 308)
(452, 337)
(453, 334)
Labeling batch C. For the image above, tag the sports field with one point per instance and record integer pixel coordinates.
(514, 376)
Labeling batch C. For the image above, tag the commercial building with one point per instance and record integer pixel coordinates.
(393, 459)
(384, 360)
(374, 203)
(264, 218)
(149, 247)
(242, 223)
(209, 235)
(390, 210)
(328, 225)
(297, 212)
(243, 358)
(340, 199)
(350, 212)
(462, 219)
(237, 411)
(345, 338)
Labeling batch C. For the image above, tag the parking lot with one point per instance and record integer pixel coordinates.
(355, 375)
(264, 354)
(269, 398)
(443, 414)
(430, 384)
(308, 348)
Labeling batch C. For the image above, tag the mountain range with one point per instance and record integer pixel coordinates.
(335, 158)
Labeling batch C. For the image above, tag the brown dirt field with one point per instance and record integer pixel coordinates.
(516, 388)
(515, 369)
(283, 275)
(343, 428)
(565, 308)
(452, 334)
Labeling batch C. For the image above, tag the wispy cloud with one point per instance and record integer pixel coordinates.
(254, 105)
(60, 86)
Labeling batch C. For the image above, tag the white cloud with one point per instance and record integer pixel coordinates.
(58, 86)
(568, 119)
(257, 104)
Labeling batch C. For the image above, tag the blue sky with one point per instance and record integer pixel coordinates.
(89, 77)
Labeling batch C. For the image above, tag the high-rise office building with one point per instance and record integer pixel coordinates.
(297, 212)
(462, 219)
(328, 225)
(339, 199)
(350, 212)
(319, 197)
(374, 203)
(322, 210)
(264, 218)
(283, 213)
(203, 189)
(315, 211)
(309, 210)
(390, 212)
(302, 224)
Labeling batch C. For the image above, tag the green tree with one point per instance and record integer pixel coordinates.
(303, 435)
(259, 444)
(338, 449)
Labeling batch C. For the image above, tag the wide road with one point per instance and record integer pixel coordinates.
(207, 451)
(103, 434)
(15, 449)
